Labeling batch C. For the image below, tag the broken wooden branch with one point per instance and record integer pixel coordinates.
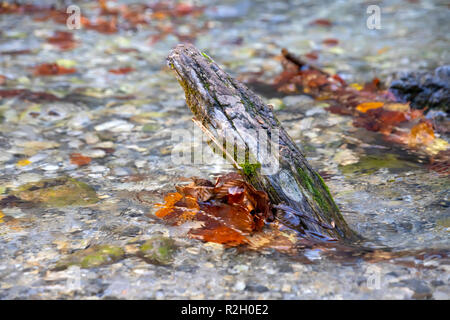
(236, 120)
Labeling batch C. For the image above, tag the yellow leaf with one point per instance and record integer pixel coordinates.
(1, 217)
(23, 162)
(366, 106)
(66, 63)
(436, 146)
(356, 86)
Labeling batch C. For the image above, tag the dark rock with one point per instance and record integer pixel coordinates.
(437, 283)
(424, 89)
(187, 268)
(130, 231)
(254, 287)
(285, 268)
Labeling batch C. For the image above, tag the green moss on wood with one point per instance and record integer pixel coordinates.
(207, 57)
(250, 169)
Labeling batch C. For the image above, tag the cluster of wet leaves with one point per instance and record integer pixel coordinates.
(227, 211)
(371, 106)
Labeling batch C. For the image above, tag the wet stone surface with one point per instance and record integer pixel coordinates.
(91, 214)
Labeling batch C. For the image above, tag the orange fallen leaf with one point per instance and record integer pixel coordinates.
(421, 133)
(366, 106)
(79, 159)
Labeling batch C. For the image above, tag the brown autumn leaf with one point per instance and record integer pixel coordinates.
(124, 70)
(26, 94)
(79, 159)
(313, 55)
(63, 40)
(330, 42)
(51, 69)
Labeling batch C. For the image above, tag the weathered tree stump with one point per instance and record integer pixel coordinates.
(237, 121)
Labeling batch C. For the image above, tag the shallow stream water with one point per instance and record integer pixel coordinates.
(125, 123)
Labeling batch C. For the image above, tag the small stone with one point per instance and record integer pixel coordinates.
(91, 138)
(239, 285)
(120, 172)
(105, 145)
(345, 157)
(98, 169)
(79, 121)
(295, 101)
(115, 126)
(286, 288)
(75, 144)
(95, 153)
(140, 163)
(130, 231)
(38, 157)
(314, 111)
(50, 167)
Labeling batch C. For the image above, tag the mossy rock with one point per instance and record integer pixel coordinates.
(157, 250)
(372, 163)
(57, 192)
(150, 127)
(95, 256)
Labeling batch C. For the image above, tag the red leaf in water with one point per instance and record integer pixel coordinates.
(183, 9)
(27, 95)
(312, 55)
(51, 69)
(79, 159)
(330, 42)
(322, 22)
(124, 70)
(63, 40)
